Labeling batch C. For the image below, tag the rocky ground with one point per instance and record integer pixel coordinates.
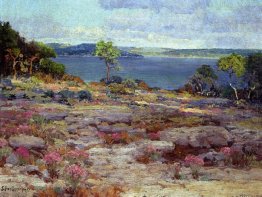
(144, 143)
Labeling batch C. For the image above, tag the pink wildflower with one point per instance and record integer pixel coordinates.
(101, 134)
(154, 136)
(150, 149)
(3, 142)
(28, 114)
(22, 152)
(75, 171)
(23, 128)
(226, 151)
(116, 136)
(52, 158)
(77, 153)
(194, 160)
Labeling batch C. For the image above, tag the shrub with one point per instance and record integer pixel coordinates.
(116, 88)
(48, 66)
(67, 77)
(84, 95)
(5, 152)
(52, 160)
(129, 83)
(75, 174)
(75, 155)
(194, 162)
(47, 78)
(113, 79)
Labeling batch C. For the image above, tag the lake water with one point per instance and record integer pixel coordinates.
(167, 73)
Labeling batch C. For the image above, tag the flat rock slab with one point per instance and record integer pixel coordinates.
(198, 137)
(54, 116)
(29, 142)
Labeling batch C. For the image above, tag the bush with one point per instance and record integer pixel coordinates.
(84, 95)
(116, 88)
(129, 83)
(113, 79)
(47, 78)
(227, 92)
(48, 66)
(73, 78)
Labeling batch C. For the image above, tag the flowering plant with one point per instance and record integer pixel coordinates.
(154, 136)
(74, 155)
(52, 160)
(23, 154)
(194, 162)
(75, 174)
(226, 151)
(152, 152)
(3, 142)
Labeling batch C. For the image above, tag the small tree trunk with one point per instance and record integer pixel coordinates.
(235, 90)
(107, 71)
(31, 68)
(250, 91)
(14, 69)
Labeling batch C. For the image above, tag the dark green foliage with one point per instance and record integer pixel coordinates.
(113, 79)
(227, 92)
(84, 95)
(253, 76)
(66, 94)
(48, 66)
(207, 72)
(109, 53)
(50, 93)
(203, 82)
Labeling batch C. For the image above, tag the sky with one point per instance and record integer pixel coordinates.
(178, 24)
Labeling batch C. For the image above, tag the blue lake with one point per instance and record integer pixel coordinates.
(167, 73)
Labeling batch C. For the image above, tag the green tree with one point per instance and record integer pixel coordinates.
(8, 39)
(15, 56)
(204, 77)
(234, 64)
(253, 75)
(48, 66)
(109, 53)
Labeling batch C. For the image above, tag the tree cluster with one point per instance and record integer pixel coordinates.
(17, 56)
(245, 78)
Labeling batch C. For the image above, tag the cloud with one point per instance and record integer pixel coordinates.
(176, 6)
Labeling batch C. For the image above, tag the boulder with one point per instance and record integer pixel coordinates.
(196, 140)
(12, 159)
(29, 142)
(113, 79)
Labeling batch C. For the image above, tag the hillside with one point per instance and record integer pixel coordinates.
(85, 49)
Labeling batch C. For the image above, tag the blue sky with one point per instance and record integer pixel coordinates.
(141, 23)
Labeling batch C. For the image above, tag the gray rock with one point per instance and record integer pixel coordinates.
(29, 142)
(6, 84)
(116, 118)
(12, 159)
(213, 158)
(54, 116)
(198, 137)
(30, 169)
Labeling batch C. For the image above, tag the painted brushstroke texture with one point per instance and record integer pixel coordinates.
(152, 23)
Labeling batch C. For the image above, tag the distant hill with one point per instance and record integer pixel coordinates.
(191, 53)
(85, 49)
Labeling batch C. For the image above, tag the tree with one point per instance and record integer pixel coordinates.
(50, 67)
(15, 56)
(109, 53)
(8, 39)
(36, 51)
(234, 64)
(203, 79)
(253, 75)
